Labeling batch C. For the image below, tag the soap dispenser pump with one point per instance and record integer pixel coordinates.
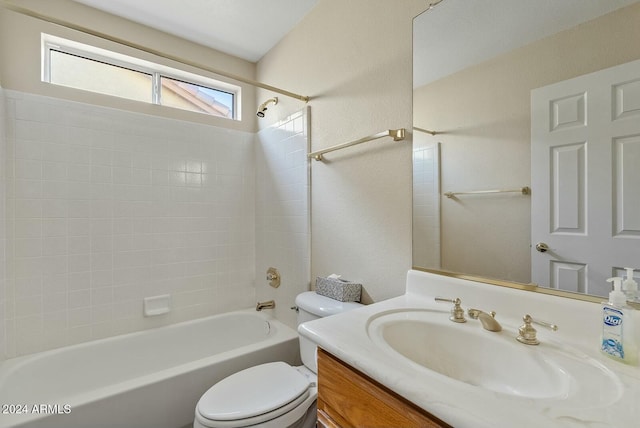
(630, 286)
(618, 341)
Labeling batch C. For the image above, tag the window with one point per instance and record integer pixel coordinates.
(88, 68)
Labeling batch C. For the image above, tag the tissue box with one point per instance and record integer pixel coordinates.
(338, 289)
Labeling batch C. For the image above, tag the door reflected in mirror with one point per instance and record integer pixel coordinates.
(476, 64)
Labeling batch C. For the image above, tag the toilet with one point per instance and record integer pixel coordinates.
(272, 395)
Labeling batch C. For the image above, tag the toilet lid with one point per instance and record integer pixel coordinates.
(252, 392)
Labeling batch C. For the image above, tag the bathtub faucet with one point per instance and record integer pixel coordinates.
(269, 304)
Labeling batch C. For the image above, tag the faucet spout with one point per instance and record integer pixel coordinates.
(487, 319)
(269, 304)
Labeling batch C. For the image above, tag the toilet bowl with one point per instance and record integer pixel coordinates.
(271, 395)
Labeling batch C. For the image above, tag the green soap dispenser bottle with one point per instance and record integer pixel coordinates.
(618, 340)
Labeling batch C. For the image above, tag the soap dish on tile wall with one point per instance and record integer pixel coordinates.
(157, 305)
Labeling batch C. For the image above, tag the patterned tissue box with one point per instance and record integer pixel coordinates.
(338, 289)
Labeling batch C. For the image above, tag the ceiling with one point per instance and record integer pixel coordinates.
(244, 28)
(456, 34)
(445, 37)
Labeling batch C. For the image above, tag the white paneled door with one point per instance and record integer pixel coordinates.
(585, 163)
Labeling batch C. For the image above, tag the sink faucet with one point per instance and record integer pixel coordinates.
(487, 319)
(269, 304)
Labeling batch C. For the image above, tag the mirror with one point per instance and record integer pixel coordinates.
(475, 66)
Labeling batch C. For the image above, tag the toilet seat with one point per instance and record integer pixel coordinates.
(254, 395)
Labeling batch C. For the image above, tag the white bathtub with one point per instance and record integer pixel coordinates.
(149, 379)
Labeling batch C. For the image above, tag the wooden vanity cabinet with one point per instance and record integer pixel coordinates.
(350, 399)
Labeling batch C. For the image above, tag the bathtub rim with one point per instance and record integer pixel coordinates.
(282, 334)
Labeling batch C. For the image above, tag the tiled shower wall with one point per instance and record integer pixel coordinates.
(105, 207)
(282, 212)
(426, 200)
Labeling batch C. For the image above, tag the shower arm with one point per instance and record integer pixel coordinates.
(69, 25)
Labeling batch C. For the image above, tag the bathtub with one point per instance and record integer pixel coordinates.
(148, 379)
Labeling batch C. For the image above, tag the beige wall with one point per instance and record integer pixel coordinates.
(354, 58)
(486, 110)
(20, 57)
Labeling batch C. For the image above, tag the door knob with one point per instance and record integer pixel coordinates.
(542, 247)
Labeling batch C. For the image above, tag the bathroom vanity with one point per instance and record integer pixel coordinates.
(347, 398)
(404, 358)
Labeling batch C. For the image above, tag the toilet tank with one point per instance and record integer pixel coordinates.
(312, 306)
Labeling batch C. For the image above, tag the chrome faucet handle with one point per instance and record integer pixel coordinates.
(457, 313)
(526, 332)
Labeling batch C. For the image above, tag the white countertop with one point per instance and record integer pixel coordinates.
(463, 405)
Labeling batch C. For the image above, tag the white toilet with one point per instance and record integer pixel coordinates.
(271, 395)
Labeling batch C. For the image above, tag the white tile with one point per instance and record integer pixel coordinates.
(79, 280)
(101, 227)
(28, 169)
(53, 246)
(101, 174)
(79, 263)
(122, 159)
(28, 307)
(79, 226)
(55, 152)
(28, 287)
(79, 190)
(102, 209)
(79, 317)
(79, 299)
(28, 227)
(52, 208)
(28, 149)
(101, 157)
(101, 278)
(79, 333)
(56, 283)
(51, 265)
(102, 296)
(28, 189)
(113, 223)
(54, 227)
(101, 261)
(55, 303)
(28, 208)
(28, 130)
(79, 155)
(55, 189)
(122, 175)
(79, 172)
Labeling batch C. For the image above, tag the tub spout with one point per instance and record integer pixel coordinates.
(269, 304)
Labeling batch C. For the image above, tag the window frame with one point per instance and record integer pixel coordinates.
(155, 70)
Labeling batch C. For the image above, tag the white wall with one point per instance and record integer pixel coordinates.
(354, 58)
(106, 207)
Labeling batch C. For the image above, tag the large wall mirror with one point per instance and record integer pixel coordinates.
(512, 90)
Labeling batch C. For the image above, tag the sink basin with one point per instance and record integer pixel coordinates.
(427, 340)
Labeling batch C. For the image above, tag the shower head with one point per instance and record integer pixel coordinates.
(263, 106)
